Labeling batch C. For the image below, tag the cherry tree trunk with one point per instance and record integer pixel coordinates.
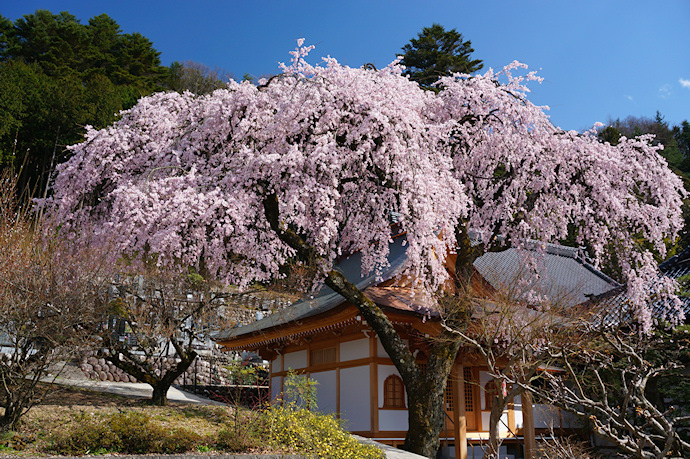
(426, 412)
(145, 373)
(160, 394)
(425, 390)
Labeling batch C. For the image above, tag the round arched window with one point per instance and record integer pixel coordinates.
(393, 392)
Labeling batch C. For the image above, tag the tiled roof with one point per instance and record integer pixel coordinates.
(678, 265)
(613, 305)
(563, 276)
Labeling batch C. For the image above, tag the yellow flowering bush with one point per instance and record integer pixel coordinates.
(297, 427)
(311, 433)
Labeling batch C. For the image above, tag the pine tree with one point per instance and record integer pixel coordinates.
(438, 52)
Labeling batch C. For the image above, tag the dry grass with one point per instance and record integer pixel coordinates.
(79, 422)
(64, 408)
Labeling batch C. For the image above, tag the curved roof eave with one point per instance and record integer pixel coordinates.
(326, 299)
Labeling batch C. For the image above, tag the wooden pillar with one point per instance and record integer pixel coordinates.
(373, 385)
(528, 425)
(459, 419)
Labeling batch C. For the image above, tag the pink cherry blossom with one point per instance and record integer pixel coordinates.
(185, 176)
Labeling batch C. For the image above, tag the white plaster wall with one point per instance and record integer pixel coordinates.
(355, 398)
(544, 415)
(393, 420)
(390, 419)
(295, 360)
(385, 371)
(353, 350)
(502, 425)
(326, 394)
(275, 387)
(484, 378)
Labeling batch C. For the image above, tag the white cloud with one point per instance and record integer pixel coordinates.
(684, 83)
(630, 98)
(665, 91)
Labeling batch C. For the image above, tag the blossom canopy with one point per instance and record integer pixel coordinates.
(343, 149)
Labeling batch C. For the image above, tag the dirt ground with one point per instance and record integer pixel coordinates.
(68, 396)
(73, 396)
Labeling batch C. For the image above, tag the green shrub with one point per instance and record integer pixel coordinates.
(128, 432)
(215, 414)
(234, 441)
(11, 441)
(289, 428)
(88, 434)
(180, 441)
(300, 391)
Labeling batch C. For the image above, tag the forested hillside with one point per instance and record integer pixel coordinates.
(58, 75)
(676, 142)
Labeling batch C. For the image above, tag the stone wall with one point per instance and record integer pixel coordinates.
(100, 370)
(201, 372)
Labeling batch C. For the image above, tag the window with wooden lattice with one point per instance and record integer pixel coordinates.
(449, 395)
(324, 355)
(469, 398)
(393, 392)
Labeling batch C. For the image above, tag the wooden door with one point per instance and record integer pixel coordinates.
(471, 401)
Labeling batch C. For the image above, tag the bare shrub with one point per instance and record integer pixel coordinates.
(47, 295)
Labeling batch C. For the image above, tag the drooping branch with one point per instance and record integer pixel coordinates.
(374, 316)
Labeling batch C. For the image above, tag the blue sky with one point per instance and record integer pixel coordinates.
(600, 59)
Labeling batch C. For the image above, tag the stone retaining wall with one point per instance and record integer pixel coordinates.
(201, 371)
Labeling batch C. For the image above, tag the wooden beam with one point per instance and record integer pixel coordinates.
(296, 328)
